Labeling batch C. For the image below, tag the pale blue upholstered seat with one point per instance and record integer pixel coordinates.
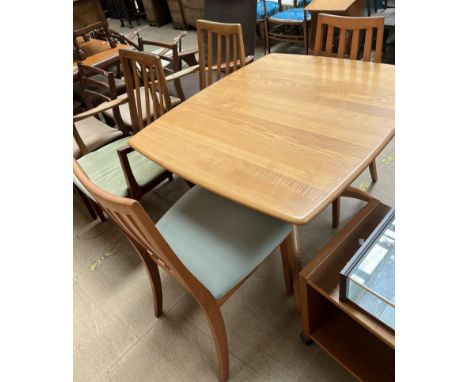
(272, 7)
(291, 14)
(219, 241)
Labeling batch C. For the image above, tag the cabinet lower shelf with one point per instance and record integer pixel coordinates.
(360, 343)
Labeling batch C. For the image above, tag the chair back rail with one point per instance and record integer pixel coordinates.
(234, 53)
(144, 71)
(351, 32)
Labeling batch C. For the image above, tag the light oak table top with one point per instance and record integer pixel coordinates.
(285, 135)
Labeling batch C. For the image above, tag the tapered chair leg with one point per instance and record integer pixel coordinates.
(99, 211)
(336, 212)
(86, 202)
(288, 266)
(373, 171)
(218, 331)
(153, 274)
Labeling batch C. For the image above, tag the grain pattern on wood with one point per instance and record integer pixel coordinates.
(281, 144)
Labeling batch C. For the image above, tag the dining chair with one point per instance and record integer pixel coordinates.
(221, 52)
(289, 24)
(173, 57)
(351, 32)
(209, 244)
(116, 167)
(131, 62)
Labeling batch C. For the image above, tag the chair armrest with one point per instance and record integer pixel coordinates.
(99, 109)
(182, 73)
(132, 184)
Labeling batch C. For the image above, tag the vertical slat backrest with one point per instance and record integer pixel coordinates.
(350, 29)
(228, 38)
(148, 96)
(130, 216)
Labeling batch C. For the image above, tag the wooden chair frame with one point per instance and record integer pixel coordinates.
(350, 36)
(173, 54)
(155, 252)
(349, 46)
(206, 64)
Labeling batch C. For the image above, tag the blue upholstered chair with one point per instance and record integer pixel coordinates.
(209, 244)
(289, 24)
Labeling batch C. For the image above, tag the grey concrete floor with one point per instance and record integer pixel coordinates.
(118, 338)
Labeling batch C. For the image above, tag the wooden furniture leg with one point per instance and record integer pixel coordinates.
(153, 274)
(373, 171)
(218, 331)
(336, 212)
(290, 251)
(86, 202)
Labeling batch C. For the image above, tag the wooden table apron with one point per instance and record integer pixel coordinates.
(285, 135)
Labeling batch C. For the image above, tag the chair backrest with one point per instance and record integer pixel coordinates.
(144, 73)
(139, 229)
(234, 54)
(351, 31)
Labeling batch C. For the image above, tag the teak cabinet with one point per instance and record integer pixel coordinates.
(360, 343)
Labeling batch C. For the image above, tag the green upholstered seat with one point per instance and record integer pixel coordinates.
(219, 241)
(105, 171)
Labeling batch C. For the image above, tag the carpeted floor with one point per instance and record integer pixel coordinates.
(118, 338)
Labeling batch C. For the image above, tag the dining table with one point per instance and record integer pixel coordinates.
(285, 135)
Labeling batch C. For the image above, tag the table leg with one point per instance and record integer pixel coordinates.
(290, 249)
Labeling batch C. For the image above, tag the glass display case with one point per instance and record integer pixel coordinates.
(368, 279)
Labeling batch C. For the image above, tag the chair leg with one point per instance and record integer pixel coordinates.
(153, 274)
(336, 212)
(99, 211)
(290, 250)
(218, 331)
(86, 202)
(288, 267)
(267, 38)
(373, 171)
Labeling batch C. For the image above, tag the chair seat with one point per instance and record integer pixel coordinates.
(125, 110)
(292, 14)
(219, 241)
(94, 134)
(104, 169)
(272, 7)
